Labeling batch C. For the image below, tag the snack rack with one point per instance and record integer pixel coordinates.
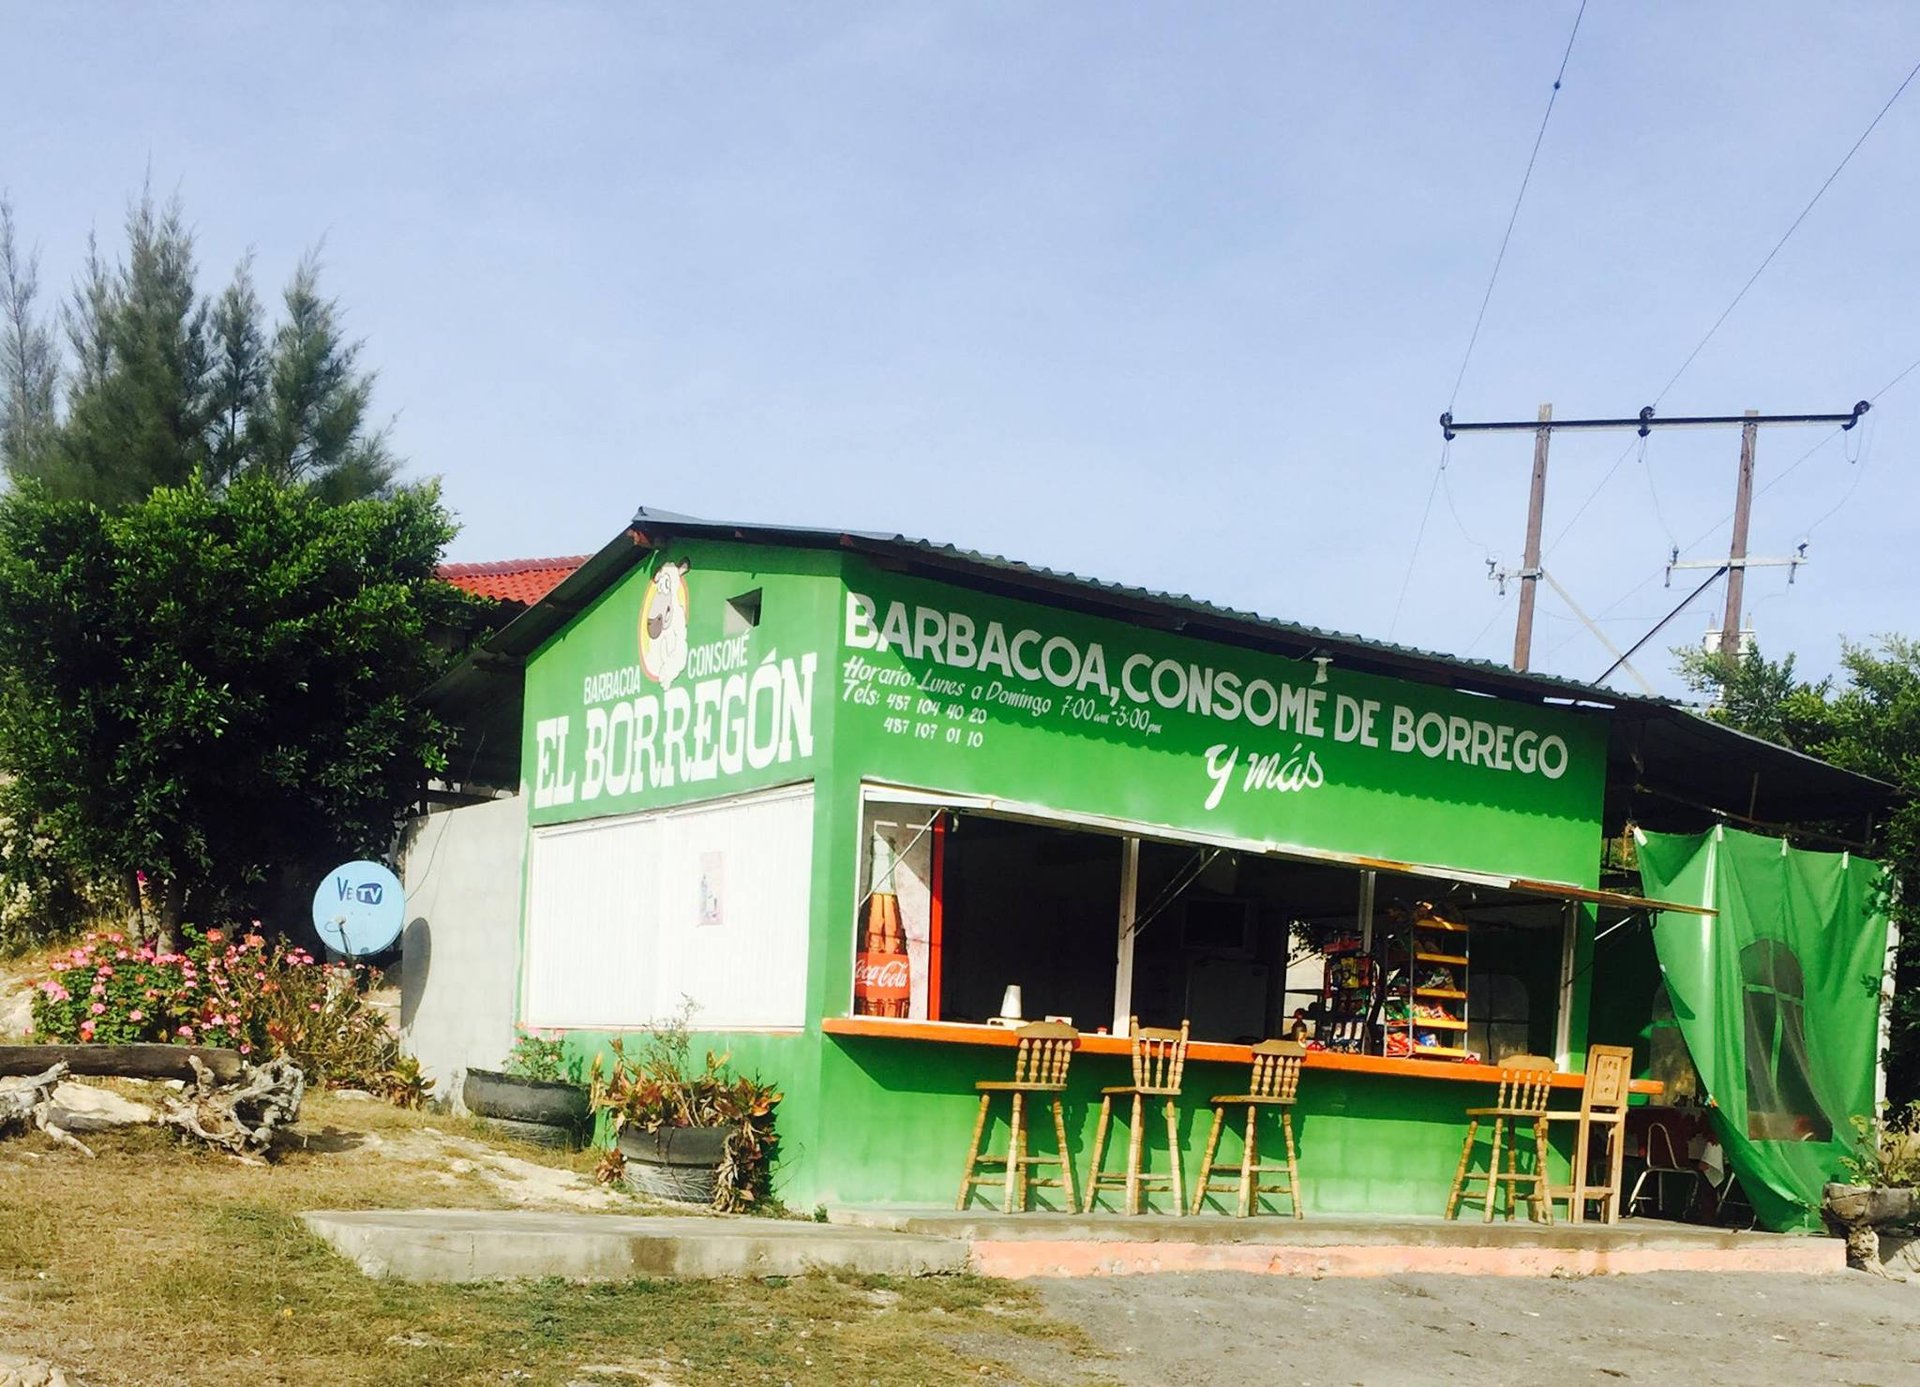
(1347, 997)
(1424, 1014)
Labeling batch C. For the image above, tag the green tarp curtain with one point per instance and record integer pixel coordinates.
(1778, 996)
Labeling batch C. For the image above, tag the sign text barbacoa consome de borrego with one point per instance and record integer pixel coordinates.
(652, 696)
(952, 689)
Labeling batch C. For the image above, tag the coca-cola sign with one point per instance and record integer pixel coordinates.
(883, 974)
(882, 984)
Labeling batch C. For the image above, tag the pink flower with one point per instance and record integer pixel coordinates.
(99, 989)
(246, 1049)
(86, 1030)
(116, 938)
(106, 971)
(98, 1008)
(136, 1015)
(311, 1006)
(185, 1032)
(153, 995)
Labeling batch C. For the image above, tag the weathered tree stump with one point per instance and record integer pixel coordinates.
(29, 1107)
(123, 1061)
(241, 1117)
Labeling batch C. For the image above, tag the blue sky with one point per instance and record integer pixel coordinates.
(1165, 294)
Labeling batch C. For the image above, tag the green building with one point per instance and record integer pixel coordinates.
(859, 797)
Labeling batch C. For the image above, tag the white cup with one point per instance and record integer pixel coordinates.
(1010, 1004)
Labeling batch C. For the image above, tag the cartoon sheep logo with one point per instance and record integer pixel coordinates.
(663, 624)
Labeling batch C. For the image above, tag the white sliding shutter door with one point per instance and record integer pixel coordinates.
(590, 948)
(626, 916)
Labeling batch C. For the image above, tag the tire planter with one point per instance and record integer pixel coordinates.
(561, 1108)
(676, 1163)
(537, 1133)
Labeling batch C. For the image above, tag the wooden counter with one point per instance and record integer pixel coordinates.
(963, 1033)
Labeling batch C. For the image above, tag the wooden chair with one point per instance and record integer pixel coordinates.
(1525, 1083)
(1040, 1068)
(1603, 1107)
(1159, 1057)
(1276, 1077)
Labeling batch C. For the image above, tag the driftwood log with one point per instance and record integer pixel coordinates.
(239, 1117)
(123, 1061)
(30, 1107)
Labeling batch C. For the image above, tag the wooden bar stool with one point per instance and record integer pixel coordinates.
(1276, 1077)
(1603, 1108)
(1039, 1067)
(1525, 1083)
(1159, 1056)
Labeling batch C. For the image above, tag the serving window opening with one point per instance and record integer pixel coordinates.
(972, 916)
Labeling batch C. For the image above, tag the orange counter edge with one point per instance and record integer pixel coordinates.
(962, 1033)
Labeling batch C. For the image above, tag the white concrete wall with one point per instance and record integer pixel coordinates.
(461, 946)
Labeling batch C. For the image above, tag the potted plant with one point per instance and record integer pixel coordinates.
(537, 1095)
(695, 1135)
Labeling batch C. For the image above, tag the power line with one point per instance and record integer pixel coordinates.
(1659, 511)
(1499, 610)
(1514, 216)
(1426, 511)
(1480, 318)
(1446, 490)
(1860, 465)
(1581, 510)
(1794, 466)
(1778, 245)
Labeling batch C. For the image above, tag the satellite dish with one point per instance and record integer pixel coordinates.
(359, 908)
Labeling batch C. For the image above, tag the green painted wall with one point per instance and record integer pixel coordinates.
(616, 721)
(870, 675)
(1367, 1143)
(950, 689)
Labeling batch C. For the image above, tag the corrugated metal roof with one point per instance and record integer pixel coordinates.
(1183, 607)
(1658, 748)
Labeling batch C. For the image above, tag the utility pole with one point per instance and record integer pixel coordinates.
(1530, 564)
(1737, 554)
(1644, 423)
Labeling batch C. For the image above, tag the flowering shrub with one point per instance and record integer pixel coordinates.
(542, 1059)
(243, 994)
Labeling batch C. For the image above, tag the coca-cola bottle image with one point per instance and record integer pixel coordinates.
(882, 977)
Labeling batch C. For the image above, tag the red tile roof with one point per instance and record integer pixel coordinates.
(525, 581)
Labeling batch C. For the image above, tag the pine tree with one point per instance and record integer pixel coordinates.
(239, 376)
(313, 417)
(159, 385)
(29, 358)
(139, 412)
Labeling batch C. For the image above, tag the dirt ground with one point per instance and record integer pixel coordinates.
(158, 1266)
(1755, 1331)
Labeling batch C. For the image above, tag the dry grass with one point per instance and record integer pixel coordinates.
(159, 1265)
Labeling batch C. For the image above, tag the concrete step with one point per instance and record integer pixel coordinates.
(512, 1244)
(1056, 1244)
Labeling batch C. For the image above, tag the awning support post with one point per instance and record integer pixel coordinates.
(1123, 951)
(1563, 1016)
